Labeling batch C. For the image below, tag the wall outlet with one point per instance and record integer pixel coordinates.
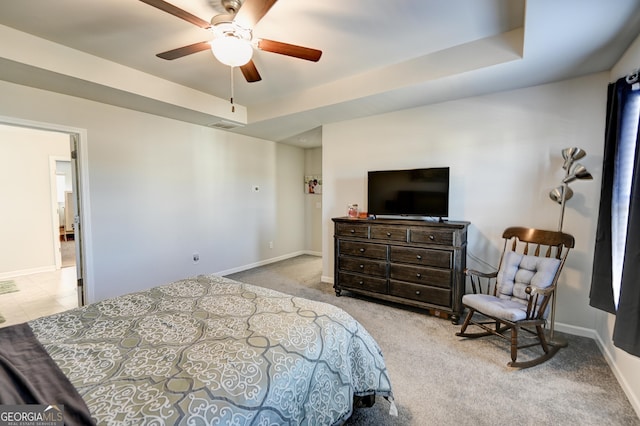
(270, 244)
(196, 257)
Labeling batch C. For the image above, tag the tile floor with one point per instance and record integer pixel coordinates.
(40, 294)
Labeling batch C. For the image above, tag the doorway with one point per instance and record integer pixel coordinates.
(64, 212)
(61, 234)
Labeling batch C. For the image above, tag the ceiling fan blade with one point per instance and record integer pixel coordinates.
(251, 12)
(176, 11)
(184, 51)
(250, 72)
(290, 50)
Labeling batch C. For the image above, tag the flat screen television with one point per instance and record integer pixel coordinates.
(416, 192)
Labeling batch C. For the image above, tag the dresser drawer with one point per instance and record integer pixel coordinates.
(362, 266)
(352, 230)
(360, 282)
(389, 233)
(421, 275)
(357, 248)
(422, 293)
(419, 256)
(431, 236)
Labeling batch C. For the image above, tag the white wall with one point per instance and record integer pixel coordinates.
(313, 203)
(504, 151)
(26, 215)
(161, 190)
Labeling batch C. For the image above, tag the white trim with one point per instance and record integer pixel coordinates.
(611, 360)
(260, 263)
(576, 331)
(21, 272)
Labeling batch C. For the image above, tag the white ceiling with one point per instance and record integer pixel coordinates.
(378, 56)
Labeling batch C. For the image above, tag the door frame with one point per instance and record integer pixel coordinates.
(84, 252)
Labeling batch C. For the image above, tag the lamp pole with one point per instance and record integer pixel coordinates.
(563, 201)
(565, 188)
(570, 155)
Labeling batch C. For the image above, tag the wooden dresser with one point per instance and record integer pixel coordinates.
(412, 262)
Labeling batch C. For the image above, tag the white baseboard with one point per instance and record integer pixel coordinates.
(608, 356)
(266, 262)
(576, 331)
(611, 360)
(22, 272)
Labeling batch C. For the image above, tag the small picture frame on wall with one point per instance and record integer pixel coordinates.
(313, 184)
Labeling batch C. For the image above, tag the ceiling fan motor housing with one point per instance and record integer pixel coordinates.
(222, 26)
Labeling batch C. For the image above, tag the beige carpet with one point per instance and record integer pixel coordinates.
(441, 379)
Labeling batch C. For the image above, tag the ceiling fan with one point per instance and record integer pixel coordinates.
(233, 41)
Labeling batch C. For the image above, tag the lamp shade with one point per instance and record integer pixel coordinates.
(231, 50)
(556, 194)
(570, 155)
(579, 172)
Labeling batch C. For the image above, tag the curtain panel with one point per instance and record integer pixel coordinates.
(626, 333)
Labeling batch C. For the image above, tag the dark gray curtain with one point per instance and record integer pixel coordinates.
(626, 333)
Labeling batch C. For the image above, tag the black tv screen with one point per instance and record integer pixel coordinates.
(417, 192)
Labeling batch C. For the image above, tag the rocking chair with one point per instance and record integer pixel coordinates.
(517, 296)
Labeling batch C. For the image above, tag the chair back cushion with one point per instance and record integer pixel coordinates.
(518, 271)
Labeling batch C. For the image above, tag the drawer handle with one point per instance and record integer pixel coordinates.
(419, 257)
(361, 250)
(388, 234)
(361, 266)
(417, 292)
(418, 275)
(432, 237)
(361, 282)
(353, 231)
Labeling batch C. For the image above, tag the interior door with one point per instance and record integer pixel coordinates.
(77, 225)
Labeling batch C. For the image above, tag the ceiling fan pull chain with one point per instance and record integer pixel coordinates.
(233, 107)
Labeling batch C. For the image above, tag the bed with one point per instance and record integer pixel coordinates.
(211, 350)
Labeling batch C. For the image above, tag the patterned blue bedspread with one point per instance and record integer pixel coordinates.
(210, 350)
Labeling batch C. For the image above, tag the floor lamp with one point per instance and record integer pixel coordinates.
(560, 194)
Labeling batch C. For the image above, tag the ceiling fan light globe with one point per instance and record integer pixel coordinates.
(232, 51)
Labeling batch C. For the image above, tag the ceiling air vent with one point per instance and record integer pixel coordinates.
(226, 125)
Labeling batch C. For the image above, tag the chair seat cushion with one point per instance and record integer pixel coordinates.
(507, 309)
